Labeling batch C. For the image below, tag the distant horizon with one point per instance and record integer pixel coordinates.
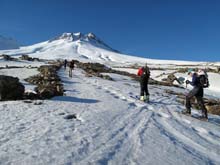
(185, 30)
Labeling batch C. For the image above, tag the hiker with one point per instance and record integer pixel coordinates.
(65, 64)
(199, 81)
(144, 73)
(71, 67)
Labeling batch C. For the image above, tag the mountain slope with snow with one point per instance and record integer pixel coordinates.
(88, 48)
(8, 43)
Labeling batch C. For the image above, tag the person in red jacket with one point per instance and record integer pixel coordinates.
(144, 73)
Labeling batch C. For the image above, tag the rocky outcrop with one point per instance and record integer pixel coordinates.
(10, 88)
(8, 58)
(27, 58)
(95, 69)
(48, 83)
(171, 78)
(218, 69)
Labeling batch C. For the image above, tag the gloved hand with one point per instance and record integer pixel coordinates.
(187, 81)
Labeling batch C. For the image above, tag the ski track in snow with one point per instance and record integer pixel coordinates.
(112, 127)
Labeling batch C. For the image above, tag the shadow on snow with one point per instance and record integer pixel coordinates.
(74, 99)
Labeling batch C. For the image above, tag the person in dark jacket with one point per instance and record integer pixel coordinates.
(71, 67)
(198, 92)
(65, 64)
(144, 73)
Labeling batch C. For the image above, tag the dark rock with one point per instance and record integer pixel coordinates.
(10, 88)
(218, 69)
(26, 57)
(28, 101)
(106, 77)
(46, 93)
(171, 78)
(71, 116)
(38, 103)
(7, 57)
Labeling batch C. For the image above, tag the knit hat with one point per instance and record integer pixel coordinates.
(145, 64)
(190, 71)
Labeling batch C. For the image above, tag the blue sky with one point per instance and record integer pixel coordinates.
(160, 29)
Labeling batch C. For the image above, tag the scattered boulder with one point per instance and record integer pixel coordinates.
(38, 103)
(8, 58)
(10, 88)
(28, 101)
(71, 116)
(218, 69)
(46, 92)
(171, 78)
(95, 69)
(28, 58)
(214, 109)
(106, 77)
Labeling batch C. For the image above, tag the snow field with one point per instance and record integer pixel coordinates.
(111, 127)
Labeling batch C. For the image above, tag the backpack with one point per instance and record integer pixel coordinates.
(71, 64)
(146, 72)
(203, 81)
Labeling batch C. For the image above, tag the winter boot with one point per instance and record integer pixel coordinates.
(146, 98)
(203, 118)
(142, 98)
(186, 112)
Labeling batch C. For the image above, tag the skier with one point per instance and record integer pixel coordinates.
(144, 73)
(199, 81)
(65, 64)
(71, 67)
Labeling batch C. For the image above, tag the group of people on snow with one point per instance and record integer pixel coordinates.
(71, 65)
(199, 82)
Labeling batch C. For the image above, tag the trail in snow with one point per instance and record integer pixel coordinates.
(111, 127)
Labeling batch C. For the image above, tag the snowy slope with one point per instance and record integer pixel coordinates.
(8, 43)
(111, 127)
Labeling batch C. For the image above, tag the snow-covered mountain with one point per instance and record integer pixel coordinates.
(90, 37)
(89, 48)
(8, 43)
